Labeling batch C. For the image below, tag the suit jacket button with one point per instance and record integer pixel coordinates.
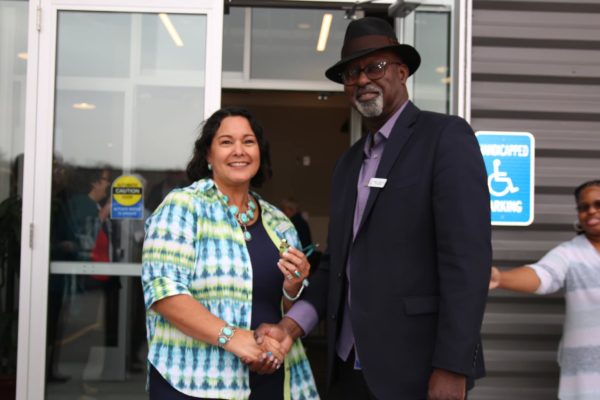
(332, 316)
(339, 275)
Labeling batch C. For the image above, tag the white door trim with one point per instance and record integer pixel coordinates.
(37, 181)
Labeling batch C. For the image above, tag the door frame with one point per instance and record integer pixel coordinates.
(460, 48)
(39, 133)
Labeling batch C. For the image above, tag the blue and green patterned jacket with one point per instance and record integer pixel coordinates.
(194, 246)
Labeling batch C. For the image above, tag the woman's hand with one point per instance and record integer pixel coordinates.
(269, 362)
(495, 278)
(295, 268)
(520, 279)
(263, 358)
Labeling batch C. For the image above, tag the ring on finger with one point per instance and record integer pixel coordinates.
(289, 277)
(297, 273)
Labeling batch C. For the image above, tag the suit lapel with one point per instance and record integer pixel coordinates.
(350, 191)
(398, 137)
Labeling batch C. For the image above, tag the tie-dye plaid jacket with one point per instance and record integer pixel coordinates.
(193, 246)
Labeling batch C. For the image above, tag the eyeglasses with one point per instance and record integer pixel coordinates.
(585, 207)
(373, 71)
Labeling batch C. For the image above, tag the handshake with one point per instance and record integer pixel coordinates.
(270, 344)
(265, 349)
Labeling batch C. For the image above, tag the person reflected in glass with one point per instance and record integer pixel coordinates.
(61, 248)
(212, 272)
(575, 266)
(290, 208)
(79, 218)
(78, 222)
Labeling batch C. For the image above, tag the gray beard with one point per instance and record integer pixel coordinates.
(372, 108)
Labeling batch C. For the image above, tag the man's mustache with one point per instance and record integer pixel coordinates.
(367, 89)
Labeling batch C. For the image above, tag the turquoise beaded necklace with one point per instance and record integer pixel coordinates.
(242, 218)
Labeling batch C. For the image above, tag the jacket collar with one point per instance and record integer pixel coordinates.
(401, 132)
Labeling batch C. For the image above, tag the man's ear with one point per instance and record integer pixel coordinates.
(403, 72)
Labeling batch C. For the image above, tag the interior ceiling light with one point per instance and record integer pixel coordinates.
(22, 55)
(84, 106)
(171, 29)
(441, 70)
(303, 25)
(324, 35)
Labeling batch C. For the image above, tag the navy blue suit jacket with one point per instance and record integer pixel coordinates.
(420, 260)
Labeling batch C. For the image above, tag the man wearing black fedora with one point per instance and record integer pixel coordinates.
(404, 281)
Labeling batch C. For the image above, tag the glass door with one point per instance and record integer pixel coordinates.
(440, 30)
(130, 87)
(13, 71)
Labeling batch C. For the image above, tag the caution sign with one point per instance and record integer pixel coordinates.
(127, 198)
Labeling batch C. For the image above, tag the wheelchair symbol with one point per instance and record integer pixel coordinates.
(498, 177)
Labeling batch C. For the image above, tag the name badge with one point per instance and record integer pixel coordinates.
(377, 182)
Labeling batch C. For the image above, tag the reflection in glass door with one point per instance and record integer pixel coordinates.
(129, 95)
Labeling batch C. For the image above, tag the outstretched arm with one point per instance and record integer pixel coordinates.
(520, 279)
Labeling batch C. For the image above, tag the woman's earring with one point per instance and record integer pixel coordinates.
(210, 167)
(577, 227)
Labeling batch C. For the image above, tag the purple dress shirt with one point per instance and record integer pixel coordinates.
(303, 312)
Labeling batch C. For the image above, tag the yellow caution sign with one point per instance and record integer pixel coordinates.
(127, 194)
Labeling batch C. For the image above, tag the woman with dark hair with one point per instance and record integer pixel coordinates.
(215, 266)
(574, 266)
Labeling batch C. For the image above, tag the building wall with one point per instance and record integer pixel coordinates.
(536, 68)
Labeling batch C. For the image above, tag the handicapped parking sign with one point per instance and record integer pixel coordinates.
(509, 160)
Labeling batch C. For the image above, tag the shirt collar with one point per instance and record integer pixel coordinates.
(386, 129)
(208, 186)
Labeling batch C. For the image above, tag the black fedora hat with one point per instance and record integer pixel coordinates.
(367, 35)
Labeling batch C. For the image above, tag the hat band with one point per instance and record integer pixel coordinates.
(367, 42)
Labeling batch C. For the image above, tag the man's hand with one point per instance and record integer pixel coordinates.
(274, 331)
(446, 385)
(285, 332)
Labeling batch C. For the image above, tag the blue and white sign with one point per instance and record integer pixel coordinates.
(509, 160)
(127, 198)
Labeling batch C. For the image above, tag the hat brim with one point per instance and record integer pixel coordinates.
(408, 54)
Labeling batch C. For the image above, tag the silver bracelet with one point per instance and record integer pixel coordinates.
(225, 335)
(297, 296)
